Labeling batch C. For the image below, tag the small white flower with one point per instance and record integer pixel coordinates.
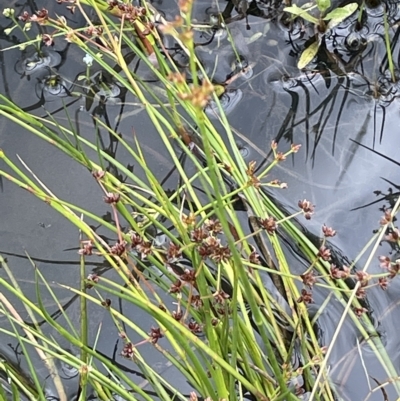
(88, 60)
(8, 12)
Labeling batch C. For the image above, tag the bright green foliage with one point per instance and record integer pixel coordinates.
(334, 17)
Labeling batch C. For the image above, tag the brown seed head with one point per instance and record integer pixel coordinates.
(306, 297)
(213, 226)
(155, 334)
(360, 311)
(128, 351)
(394, 269)
(189, 276)
(111, 198)
(119, 248)
(87, 248)
(386, 218)
(337, 273)
(383, 283)
(24, 17)
(194, 327)
(363, 278)
(254, 257)
(41, 17)
(385, 262)
(221, 254)
(47, 39)
(393, 235)
(198, 234)
(306, 206)
(174, 252)
(361, 293)
(269, 224)
(175, 287)
(309, 279)
(328, 231)
(324, 253)
(295, 148)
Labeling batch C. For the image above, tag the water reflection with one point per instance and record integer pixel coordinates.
(342, 113)
(36, 61)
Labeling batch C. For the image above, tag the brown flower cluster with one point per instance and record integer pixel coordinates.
(87, 248)
(174, 253)
(140, 245)
(194, 327)
(324, 253)
(309, 279)
(41, 17)
(111, 198)
(128, 351)
(269, 224)
(251, 169)
(254, 257)
(127, 10)
(208, 245)
(118, 248)
(200, 95)
(337, 273)
(307, 207)
(91, 279)
(328, 231)
(212, 248)
(386, 218)
(393, 235)
(393, 268)
(155, 334)
(306, 297)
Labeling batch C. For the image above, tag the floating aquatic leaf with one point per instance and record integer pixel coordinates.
(253, 38)
(307, 55)
(301, 13)
(36, 62)
(340, 14)
(228, 100)
(219, 90)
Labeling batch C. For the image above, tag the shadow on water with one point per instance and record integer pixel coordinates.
(344, 113)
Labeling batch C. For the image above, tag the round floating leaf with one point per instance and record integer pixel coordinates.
(340, 14)
(307, 55)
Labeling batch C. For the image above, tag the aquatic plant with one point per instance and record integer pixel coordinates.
(335, 17)
(239, 322)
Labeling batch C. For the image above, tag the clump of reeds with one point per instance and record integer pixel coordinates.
(226, 332)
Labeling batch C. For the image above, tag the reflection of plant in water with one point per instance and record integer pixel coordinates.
(393, 192)
(339, 92)
(36, 62)
(266, 9)
(52, 86)
(300, 90)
